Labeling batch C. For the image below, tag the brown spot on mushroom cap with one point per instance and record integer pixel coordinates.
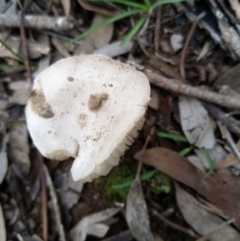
(96, 101)
(70, 78)
(39, 104)
(97, 136)
(82, 119)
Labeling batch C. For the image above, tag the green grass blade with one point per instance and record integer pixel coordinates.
(127, 3)
(186, 151)
(146, 176)
(122, 185)
(162, 2)
(147, 4)
(20, 58)
(133, 31)
(174, 137)
(210, 161)
(13, 123)
(103, 24)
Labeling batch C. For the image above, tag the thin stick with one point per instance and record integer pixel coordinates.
(55, 205)
(228, 137)
(173, 225)
(143, 150)
(25, 48)
(224, 224)
(44, 197)
(37, 22)
(141, 33)
(157, 30)
(179, 88)
(189, 37)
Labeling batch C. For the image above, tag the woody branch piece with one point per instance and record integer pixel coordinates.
(37, 22)
(177, 87)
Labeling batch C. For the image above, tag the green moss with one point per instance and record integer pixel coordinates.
(117, 183)
(119, 174)
(160, 183)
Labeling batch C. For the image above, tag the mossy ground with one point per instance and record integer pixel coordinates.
(117, 183)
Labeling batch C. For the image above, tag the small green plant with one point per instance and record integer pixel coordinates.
(142, 9)
(120, 179)
(119, 175)
(210, 161)
(160, 183)
(189, 149)
(20, 58)
(172, 136)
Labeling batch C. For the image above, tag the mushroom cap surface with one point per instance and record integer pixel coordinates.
(87, 107)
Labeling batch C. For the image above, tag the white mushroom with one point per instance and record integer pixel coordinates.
(88, 107)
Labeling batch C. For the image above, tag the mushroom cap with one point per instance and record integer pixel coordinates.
(88, 107)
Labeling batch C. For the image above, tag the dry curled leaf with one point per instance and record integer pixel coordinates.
(219, 188)
(195, 122)
(91, 225)
(137, 214)
(230, 79)
(3, 156)
(202, 220)
(19, 148)
(97, 39)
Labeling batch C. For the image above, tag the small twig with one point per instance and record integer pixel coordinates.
(141, 33)
(55, 34)
(183, 89)
(55, 205)
(173, 225)
(37, 22)
(25, 48)
(189, 37)
(44, 197)
(166, 69)
(157, 30)
(227, 136)
(143, 150)
(224, 118)
(206, 236)
(229, 160)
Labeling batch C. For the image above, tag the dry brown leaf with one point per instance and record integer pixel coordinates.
(19, 148)
(201, 220)
(3, 156)
(230, 160)
(20, 92)
(97, 39)
(137, 213)
(95, 7)
(91, 224)
(115, 49)
(220, 189)
(154, 102)
(196, 123)
(66, 6)
(230, 79)
(58, 43)
(36, 48)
